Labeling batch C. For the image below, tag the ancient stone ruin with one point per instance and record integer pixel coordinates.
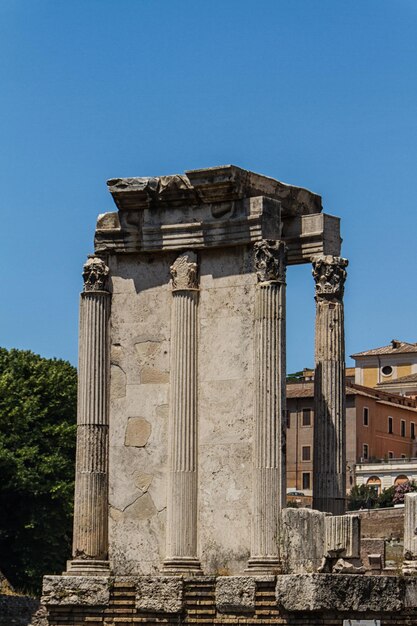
(180, 472)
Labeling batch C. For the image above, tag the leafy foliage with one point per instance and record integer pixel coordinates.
(295, 377)
(365, 497)
(402, 489)
(385, 498)
(362, 497)
(37, 450)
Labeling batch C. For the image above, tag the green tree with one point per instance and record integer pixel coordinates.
(37, 450)
(385, 498)
(362, 497)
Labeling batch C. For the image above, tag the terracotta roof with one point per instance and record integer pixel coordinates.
(306, 390)
(300, 390)
(411, 378)
(395, 347)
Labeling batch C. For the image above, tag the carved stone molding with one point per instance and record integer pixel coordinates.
(95, 273)
(270, 260)
(329, 274)
(184, 272)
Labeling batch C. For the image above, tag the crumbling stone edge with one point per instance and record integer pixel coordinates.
(345, 592)
(294, 592)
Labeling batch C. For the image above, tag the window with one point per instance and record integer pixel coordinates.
(306, 417)
(365, 416)
(386, 370)
(390, 425)
(365, 451)
(374, 482)
(403, 456)
(306, 480)
(403, 431)
(390, 455)
(288, 419)
(412, 430)
(306, 453)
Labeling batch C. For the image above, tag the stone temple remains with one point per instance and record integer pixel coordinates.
(180, 472)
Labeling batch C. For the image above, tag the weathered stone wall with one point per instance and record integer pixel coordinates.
(382, 523)
(140, 375)
(250, 601)
(140, 341)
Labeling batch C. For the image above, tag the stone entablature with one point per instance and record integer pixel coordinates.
(216, 207)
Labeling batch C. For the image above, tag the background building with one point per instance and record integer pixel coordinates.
(379, 426)
(386, 474)
(383, 365)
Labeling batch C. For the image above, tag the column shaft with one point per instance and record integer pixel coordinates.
(269, 484)
(329, 458)
(90, 540)
(182, 478)
(410, 536)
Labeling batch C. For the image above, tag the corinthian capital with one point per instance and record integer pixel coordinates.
(95, 274)
(270, 257)
(329, 274)
(184, 272)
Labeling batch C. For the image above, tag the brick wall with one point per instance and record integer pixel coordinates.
(382, 523)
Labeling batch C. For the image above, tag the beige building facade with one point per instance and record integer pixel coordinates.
(378, 426)
(385, 364)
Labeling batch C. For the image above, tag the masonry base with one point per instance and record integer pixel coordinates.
(297, 600)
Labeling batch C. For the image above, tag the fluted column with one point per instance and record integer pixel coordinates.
(182, 482)
(410, 534)
(329, 464)
(90, 542)
(269, 455)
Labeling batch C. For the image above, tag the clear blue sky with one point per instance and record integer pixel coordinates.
(319, 94)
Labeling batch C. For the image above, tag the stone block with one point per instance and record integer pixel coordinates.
(375, 563)
(343, 532)
(159, 594)
(235, 594)
(370, 547)
(138, 431)
(339, 592)
(410, 526)
(410, 598)
(303, 532)
(76, 590)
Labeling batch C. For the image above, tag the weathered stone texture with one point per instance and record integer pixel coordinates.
(269, 460)
(410, 526)
(372, 547)
(329, 451)
(159, 594)
(319, 592)
(90, 539)
(410, 534)
(225, 391)
(181, 547)
(76, 590)
(199, 605)
(343, 532)
(138, 431)
(141, 315)
(303, 540)
(235, 594)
